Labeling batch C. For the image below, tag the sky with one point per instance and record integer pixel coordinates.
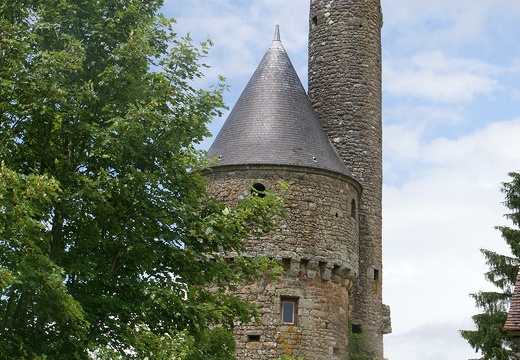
(451, 134)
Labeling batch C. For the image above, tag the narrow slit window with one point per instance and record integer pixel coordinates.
(376, 274)
(353, 209)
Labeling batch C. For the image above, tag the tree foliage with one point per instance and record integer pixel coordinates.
(106, 230)
(490, 337)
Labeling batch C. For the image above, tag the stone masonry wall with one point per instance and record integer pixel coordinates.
(345, 89)
(317, 246)
(322, 327)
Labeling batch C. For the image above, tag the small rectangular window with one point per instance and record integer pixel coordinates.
(289, 310)
(376, 274)
(253, 338)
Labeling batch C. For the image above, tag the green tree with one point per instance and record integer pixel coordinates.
(106, 230)
(490, 337)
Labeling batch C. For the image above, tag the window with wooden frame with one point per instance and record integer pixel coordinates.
(289, 310)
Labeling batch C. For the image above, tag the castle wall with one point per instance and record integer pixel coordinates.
(322, 328)
(317, 244)
(345, 89)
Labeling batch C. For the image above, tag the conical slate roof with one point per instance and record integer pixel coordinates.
(273, 122)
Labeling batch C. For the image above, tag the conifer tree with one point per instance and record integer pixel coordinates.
(106, 230)
(490, 337)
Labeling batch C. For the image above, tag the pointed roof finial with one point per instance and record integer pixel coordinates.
(277, 33)
(277, 43)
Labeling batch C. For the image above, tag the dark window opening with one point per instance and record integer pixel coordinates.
(335, 351)
(336, 270)
(376, 274)
(286, 263)
(353, 209)
(289, 310)
(253, 338)
(356, 329)
(314, 20)
(258, 190)
(304, 265)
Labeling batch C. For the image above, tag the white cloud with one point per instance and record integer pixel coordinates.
(442, 345)
(435, 77)
(479, 151)
(446, 21)
(435, 222)
(408, 124)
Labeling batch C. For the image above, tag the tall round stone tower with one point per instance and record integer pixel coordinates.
(345, 90)
(273, 135)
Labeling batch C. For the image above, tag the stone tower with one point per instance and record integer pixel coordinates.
(328, 244)
(345, 90)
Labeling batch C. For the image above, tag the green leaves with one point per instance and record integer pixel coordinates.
(490, 336)
(108, 238)
(35, 302)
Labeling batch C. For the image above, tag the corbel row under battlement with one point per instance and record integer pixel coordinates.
(317, 269)
(312, 267)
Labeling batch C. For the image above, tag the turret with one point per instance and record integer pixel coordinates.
(272, 135)
(345, 90)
